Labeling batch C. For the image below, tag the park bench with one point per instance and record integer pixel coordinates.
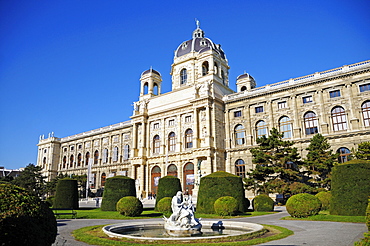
(64, 211)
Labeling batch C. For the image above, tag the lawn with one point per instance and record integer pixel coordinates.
(325, 216)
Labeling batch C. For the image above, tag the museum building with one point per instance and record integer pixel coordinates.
(202, 126)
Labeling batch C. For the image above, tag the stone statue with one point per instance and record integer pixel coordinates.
(182, 221)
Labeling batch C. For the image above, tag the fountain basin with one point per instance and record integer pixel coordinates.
(155, 231)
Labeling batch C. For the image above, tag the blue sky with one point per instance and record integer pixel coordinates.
(73, 66)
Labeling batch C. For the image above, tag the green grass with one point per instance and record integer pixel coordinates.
(325, 216)
(147, 214)
(94, 235)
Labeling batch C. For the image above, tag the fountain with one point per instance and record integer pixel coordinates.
(181, 225)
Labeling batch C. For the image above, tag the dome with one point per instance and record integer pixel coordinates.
(245, 75)
(199, 44)
(151, 70)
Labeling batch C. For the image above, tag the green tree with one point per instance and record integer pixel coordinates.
(363, 151)
(52, 184)
(32, 180)
(277, 164)
(319, 161)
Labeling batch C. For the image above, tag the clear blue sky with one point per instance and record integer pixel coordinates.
(73, 66)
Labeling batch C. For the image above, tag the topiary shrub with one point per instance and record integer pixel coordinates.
(226, 205)
(263, 203)
(168, 186)
(129, 206)
(350, 188)
(164, 206)
(116, 188)
(66, 194)
(24, 218)
(324, 197)
(216, 185)
(303, 205)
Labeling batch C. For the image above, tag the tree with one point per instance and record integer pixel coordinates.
(32, 180)
(363, 151)
(52, 184)
(277, 164)
(319, 161)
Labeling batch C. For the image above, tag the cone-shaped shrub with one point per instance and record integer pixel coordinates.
(24, 218)
(168, 186)
(324, 197)
(303, 205)
(350, 188)
(164, 206)
(66, 194)
(226, 205)
(263, 203)
(129, 206)
(116, 188)
(216, 185)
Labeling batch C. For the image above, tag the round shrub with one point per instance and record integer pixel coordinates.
(66, 194)
(368, 215)
(263, 203)
(168, 186)
(303, 205)
(226, 205)
(324, 197)
(164, 206)
(216, 185)
(116, 188)
(24, 218)
(129, 206)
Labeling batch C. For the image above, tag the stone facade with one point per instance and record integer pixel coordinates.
(202, 126)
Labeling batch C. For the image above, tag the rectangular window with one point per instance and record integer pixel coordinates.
(259, 109)
(238, 113)
(171, 122)
(187, 119)
(156, 126)
(307, 99)
(334, 93)
(282, 105)
(365, 87)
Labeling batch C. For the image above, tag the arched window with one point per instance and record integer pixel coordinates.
(339, 119)
(87, 157)
(261, 128)
(156, 144)
(105, 155)
(156, 175)
(43, 162)
(366, 113)
(189, 178)
(239, 135)
(71, 159)
(115, 153)
(96, 157)
(310, 123)
(172, 170)
(223, 77)
(183, 76)
(155, 89)
(205, 68)
(243, 88)
(171, 142)
(189, 138)
(216, 68)
(285, 125)
(344, 155)
(79, 159)
(102, 180)
(146, 88)
(64, 161)
(126, 152)
(240, 168)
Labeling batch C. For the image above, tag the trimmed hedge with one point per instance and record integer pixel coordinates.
(164, 206)
(226, 205)
(24, 218)
(263, 203)
(116, 188)
(168, 186)
(324, 197)
(303, 205)
(129, 206)
(216, 185)
(350, 188)
(66, 194)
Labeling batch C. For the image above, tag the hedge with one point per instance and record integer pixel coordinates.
(325, 198)
(116, 188)
(216, 185)
(226, 206)
(66, 194)
(24, 218)
(168, 186)
(129, 206)
(303, 205)
(350, 188)
(164, 206)
(263, 203)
